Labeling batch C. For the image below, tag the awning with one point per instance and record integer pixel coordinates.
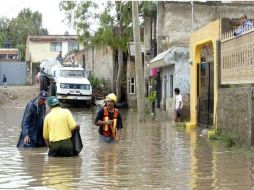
(168, 57)
(158, 61)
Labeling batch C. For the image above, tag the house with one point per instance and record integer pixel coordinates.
(172, 72)
(222, 80)
(172, 27)
(47, 47)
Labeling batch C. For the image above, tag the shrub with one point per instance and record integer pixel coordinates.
(152, 97)
(100, 87)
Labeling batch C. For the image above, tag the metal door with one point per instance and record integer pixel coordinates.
(158, 89)
(205, 94)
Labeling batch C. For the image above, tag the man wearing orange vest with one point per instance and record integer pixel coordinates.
(109, 121)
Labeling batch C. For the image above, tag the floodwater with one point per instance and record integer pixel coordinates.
(154, 155)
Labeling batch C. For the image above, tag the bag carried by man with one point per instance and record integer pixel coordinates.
(76, 142)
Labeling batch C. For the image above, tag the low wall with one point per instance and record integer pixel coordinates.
(235, 113)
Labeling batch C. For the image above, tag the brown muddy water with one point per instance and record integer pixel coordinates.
(154, 155)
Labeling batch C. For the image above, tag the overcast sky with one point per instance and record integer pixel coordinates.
(51, 15)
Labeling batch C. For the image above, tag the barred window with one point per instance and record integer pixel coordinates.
(131, 85)
(56, 46)
(73, 46)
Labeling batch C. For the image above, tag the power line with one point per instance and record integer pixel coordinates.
(14, 6)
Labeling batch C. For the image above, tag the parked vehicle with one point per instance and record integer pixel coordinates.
(66, 81)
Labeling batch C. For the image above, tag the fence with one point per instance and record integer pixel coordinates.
(237, 58)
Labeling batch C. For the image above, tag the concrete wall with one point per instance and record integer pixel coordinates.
(236, 113)
(89, 58)
(174, 19)
(104, 65)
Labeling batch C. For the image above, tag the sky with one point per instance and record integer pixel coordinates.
(52, 17)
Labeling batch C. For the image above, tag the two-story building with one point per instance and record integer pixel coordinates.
(222, 80)
(48, 47)
(172, 28)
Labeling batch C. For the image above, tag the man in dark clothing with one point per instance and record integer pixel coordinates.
(109, 121)
(4, 81)
(32, 123)
(59, 57)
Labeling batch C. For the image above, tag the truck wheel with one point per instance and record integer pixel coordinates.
(53, 88)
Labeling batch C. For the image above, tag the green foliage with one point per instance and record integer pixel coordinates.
(180, 125)
(4, 30)
(81, 16)
(114, 21)
(214, 133)
(95, 82)
(148, 8)
(100, 87)
(227, 139)
(152, 97)
(1, 40)
(17, 29)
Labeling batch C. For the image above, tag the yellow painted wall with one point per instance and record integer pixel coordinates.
(205, 35)
(37, 51)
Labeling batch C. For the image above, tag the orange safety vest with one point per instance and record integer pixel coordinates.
(110, 130)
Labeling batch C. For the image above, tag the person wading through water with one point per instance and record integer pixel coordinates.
(57, 129)
(109, 121)
(31, 135)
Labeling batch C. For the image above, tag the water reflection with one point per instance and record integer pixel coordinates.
(151, 155)
(62, 173)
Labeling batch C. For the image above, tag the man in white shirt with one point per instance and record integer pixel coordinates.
(178, 104)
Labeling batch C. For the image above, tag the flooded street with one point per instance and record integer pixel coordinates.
(149, 156)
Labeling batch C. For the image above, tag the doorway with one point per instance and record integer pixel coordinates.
(205, 93)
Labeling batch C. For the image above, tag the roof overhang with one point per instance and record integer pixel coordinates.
(168, 57)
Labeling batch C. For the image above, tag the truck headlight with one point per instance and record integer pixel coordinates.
(62, 85)
(85, 86)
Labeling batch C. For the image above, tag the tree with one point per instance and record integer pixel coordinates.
(113, 30)
(4, 30)
(26, 23)
(114, 25)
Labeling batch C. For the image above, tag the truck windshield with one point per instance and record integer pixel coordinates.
(73, 73)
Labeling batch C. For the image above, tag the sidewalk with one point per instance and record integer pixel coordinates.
(17, 95)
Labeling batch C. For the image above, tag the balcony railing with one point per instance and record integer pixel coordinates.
(237, 58)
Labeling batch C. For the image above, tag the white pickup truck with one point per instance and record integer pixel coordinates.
(65, 81)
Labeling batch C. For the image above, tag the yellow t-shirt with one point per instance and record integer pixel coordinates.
(58, 124)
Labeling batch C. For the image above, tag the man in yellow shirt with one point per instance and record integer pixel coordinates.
(57, 129)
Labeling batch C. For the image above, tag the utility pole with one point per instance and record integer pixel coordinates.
(192, 16)
(138, 63)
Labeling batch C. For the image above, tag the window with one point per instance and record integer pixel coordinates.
(171, 85)
(56, 46)
(73, 46)
(131, 85)
(72, 73)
